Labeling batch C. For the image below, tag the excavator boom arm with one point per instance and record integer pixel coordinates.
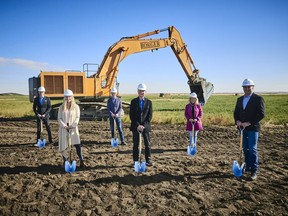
(134, 44)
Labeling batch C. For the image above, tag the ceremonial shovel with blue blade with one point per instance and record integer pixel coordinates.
(69, 166)
(139, 165)
(191, 148)
(237, 168)
(114, 142)
(41, 142)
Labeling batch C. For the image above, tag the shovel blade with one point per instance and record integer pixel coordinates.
(70, 167)
(237, 169)
(191, 150)
(140, 167)
(143, 167)
(41, 143)
(114, 142)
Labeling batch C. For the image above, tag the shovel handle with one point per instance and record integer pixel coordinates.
(241, 141)
(115, 125)
(69, 142)
(140, 144)
(41, 124)
(69, 135)
(193, 124)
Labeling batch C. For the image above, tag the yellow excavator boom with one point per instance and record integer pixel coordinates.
(108, 70)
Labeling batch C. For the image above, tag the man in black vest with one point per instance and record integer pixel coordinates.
(141, 116)
(248, 113)
(42, 108)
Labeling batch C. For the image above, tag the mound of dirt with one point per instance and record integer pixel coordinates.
(33, 181)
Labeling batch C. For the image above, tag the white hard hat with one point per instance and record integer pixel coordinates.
(68, 92)
(114, 90)
(193, 95)
(41, 89)
(142, 87)
(247, 82)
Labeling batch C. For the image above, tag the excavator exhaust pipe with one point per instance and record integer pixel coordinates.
(202, 88)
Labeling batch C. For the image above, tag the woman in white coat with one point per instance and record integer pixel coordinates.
(68, 119)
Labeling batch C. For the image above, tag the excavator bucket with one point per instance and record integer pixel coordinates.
(202, 88)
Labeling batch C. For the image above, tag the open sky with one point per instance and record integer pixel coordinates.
(229, 40)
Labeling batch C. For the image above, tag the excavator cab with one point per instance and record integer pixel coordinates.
(202, 88)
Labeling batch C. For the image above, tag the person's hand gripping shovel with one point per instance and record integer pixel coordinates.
(191, 148)
(237, 168)
(69, 166)
(114, 142)
(140, 166)
(41, 142)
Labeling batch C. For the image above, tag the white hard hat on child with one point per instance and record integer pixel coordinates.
(142, 87)
(41, 89)
(247, 82)
(68, 92)
(113, 90)
(193, 95)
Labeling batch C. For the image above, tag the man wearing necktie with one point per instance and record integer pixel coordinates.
(42, 108)
(141, 116)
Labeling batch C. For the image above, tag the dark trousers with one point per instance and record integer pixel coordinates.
(46, 123)
(147, 143)
(79, 152)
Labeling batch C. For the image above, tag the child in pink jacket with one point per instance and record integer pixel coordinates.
(193, 114)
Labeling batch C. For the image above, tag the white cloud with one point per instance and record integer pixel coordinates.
(28, 64)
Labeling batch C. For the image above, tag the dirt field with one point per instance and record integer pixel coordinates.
(33, 181)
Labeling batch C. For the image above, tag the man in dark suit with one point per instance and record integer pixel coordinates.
(141, 116)
(248, 113)
(42, 108)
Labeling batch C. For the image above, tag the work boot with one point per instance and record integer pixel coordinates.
(123, 143)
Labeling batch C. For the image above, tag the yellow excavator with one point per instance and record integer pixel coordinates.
(93, 90)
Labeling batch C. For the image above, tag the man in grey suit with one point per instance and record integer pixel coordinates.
(248, 113)
(141, 116)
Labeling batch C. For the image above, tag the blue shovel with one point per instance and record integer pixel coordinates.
(237, 168)
(41, 142)
(114, 142)
(191, 148)
(140, 166)
(69, 166)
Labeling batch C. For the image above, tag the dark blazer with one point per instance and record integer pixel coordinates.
(254, 111)
(43, 109)
(140, 117)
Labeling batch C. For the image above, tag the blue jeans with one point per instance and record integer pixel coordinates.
(119, 127)
(250, 140)
(191, 138)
